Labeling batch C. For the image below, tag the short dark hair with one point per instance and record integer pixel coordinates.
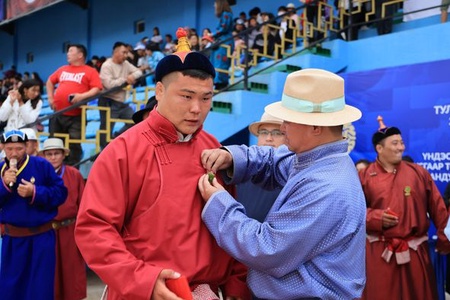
(152, 46)
(118, 44)
(80, 48)
(26, 85)
(254, 11)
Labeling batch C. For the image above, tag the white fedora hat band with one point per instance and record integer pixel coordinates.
(306, 106)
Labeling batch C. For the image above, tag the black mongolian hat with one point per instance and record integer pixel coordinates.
(383, 132)
(139, 115)
(183, 59)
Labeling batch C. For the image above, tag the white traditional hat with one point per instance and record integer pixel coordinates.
(265, 119)
(31, 134)
(314, 97)
(54, 143)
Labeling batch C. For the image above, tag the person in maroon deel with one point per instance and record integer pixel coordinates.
(401, 198)
(70, 276)
(139, 223)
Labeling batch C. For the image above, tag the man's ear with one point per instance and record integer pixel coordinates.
(316, 130)
(378, 148)
(159, 90)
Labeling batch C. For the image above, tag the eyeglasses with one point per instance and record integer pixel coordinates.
(273, 133)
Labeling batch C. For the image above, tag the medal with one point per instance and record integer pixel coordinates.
(407, 191)
(32, 180)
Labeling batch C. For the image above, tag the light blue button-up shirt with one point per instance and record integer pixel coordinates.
(312, 242)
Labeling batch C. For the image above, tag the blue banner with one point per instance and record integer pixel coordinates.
(414, 98)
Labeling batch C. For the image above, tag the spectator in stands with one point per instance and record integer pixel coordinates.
(313, 17)
(444, 10)
(286, 32)
(205, 45)
(11, 73)
(144, 41)
(223, 35)
(30, 194)
(270, 19)
(206, 31)
(142, 63)
(256, 200)
(239, 25)
(292, 14)
(7, 85)
(95, 62)
(156, 168)
(153, 55)
(3, 96)
(401, 199)
(35, 76)
(32, 144)
(26, 76)
(117, 71)
(194, 42)
(22, 107)
(354, 15)
(16, 81)
(70, 275)
(254, 31)
(255, 12)
(238, 53)
(132, 56)
(169, 46)
(156, 37)
(243, 17)
(76, 82)
(265, 40)
(4, 87)
(190, 31)
(361, 164)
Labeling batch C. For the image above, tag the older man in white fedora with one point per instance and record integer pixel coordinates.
(70, 274)
(312, 243)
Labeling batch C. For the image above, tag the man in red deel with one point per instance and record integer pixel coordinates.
(401, 199)
(139, 222)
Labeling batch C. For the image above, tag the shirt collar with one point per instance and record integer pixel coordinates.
(305, 159)
(166, 129)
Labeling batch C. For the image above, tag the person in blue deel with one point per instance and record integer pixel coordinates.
(30, 194)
